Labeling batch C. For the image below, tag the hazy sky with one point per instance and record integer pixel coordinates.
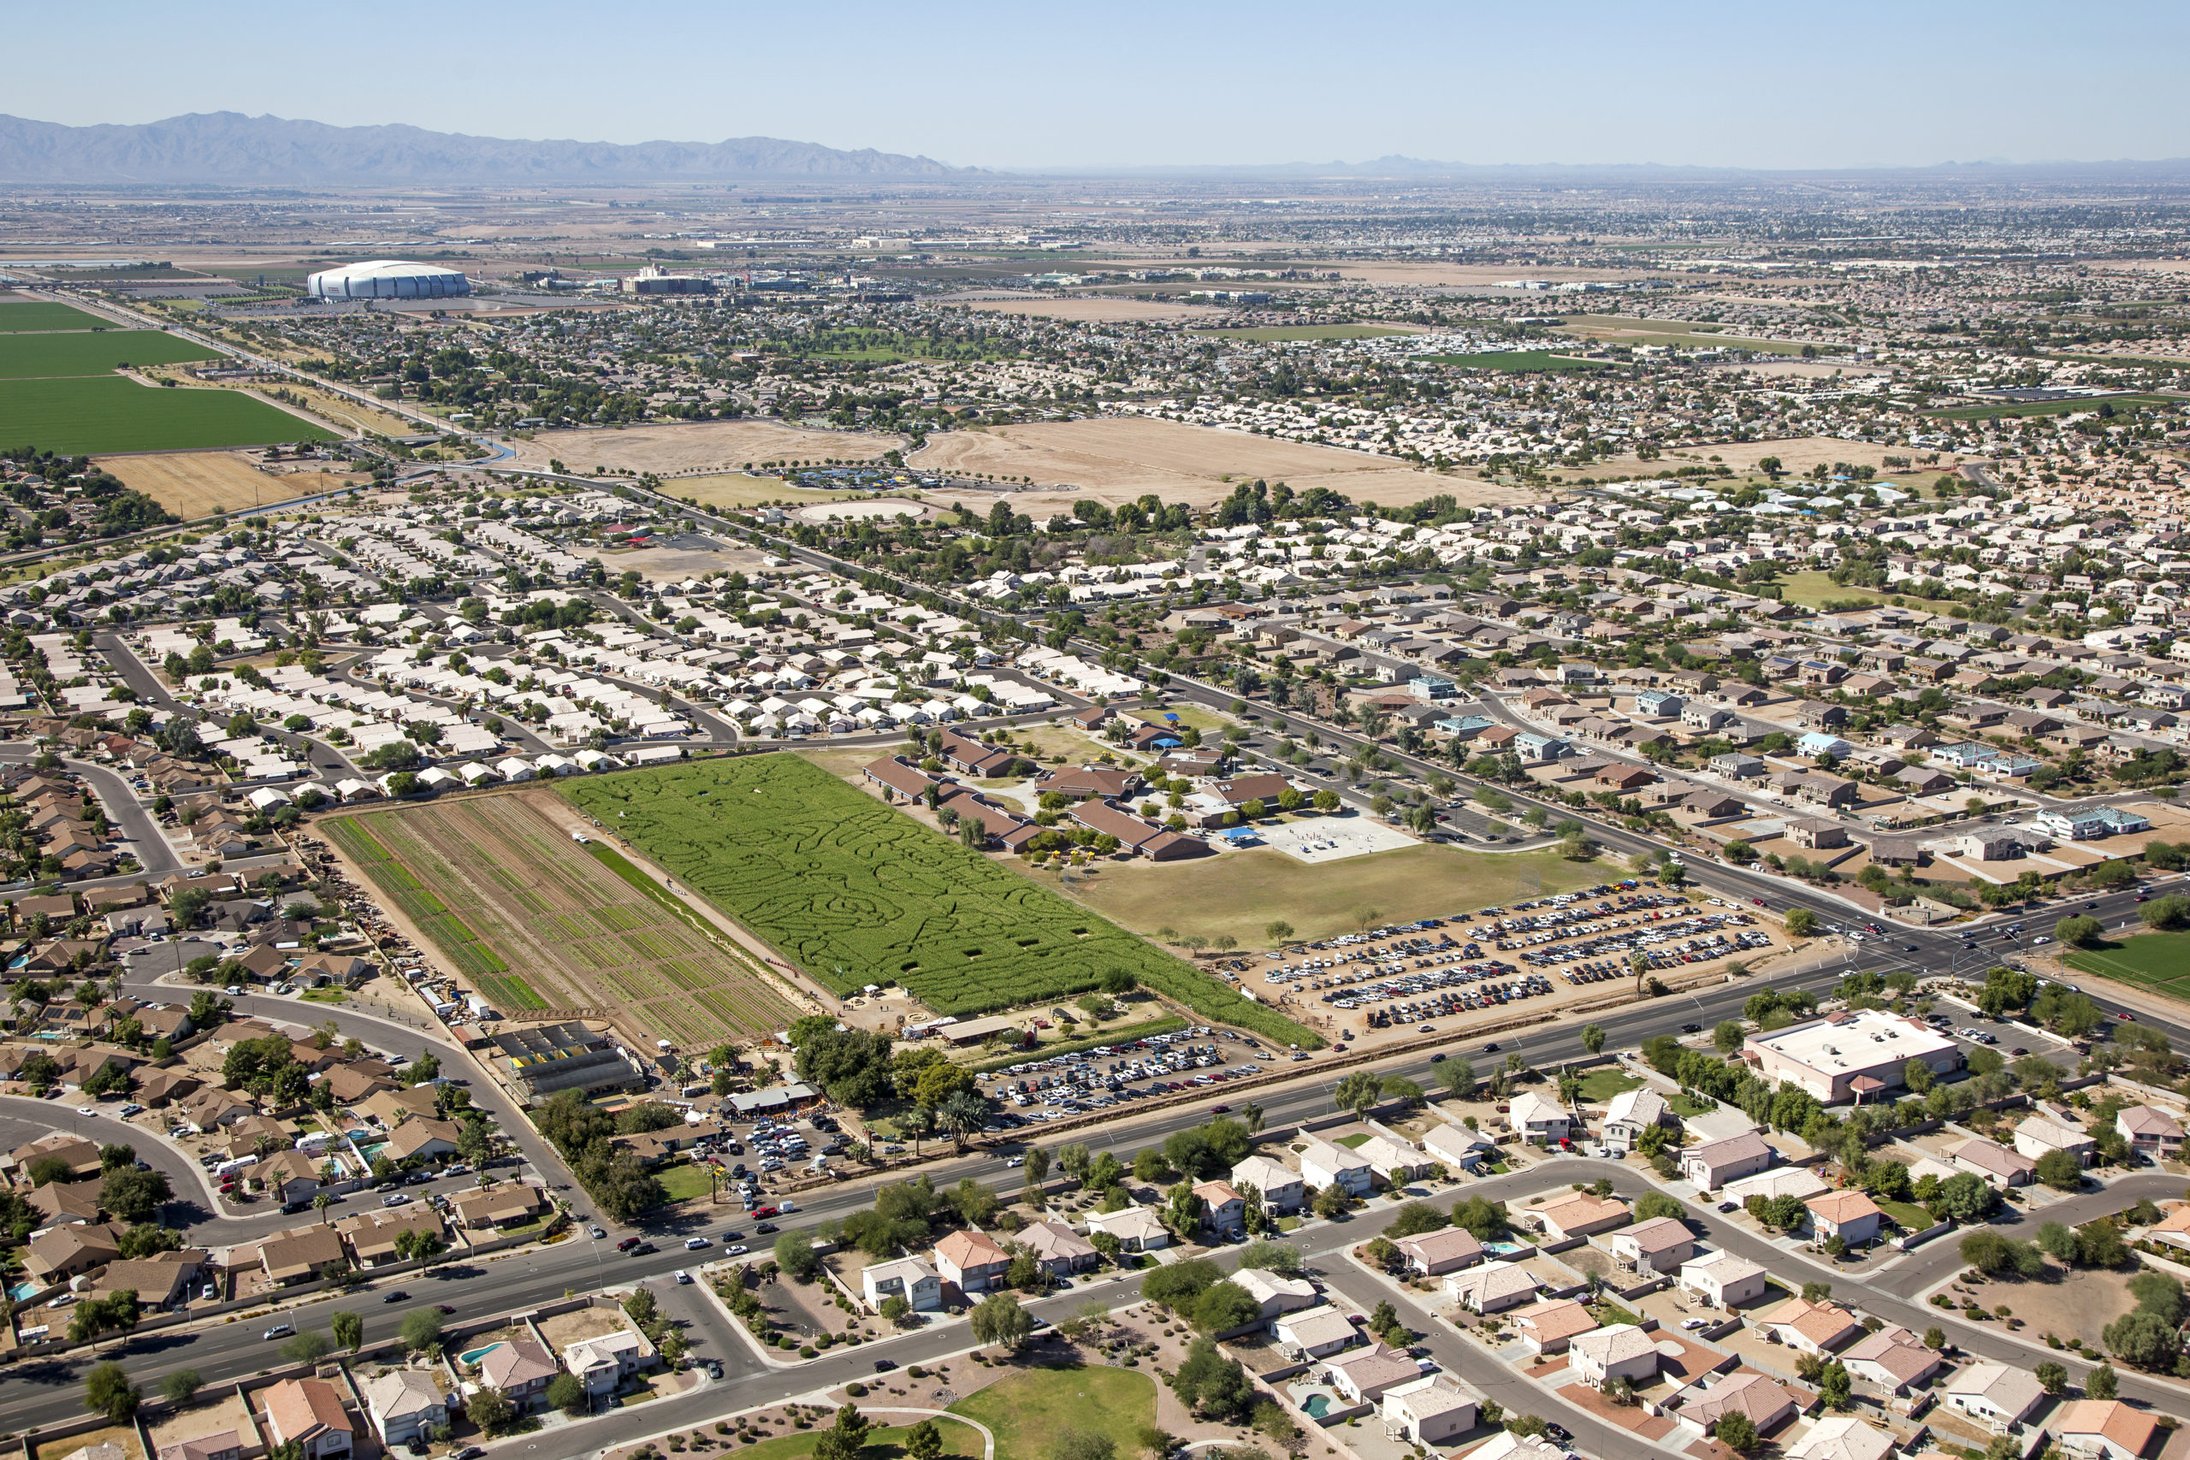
(1757, 84)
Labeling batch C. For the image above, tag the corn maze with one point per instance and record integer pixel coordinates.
(547, 926)
(857, 893)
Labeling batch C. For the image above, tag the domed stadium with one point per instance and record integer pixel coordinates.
(387, 279)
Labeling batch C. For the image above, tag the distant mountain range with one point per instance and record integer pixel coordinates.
(231, 149)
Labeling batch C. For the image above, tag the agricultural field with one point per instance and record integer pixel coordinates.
(855, 892)
(1620, 329)
(698, 446)
(194, 484)
(86, 352)
(19, 314)
(2109, 404)
(1238, 893)
(1518, 362)
(102, 413)
(547, 924)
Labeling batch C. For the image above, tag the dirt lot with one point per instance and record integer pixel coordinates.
(1102, 310)
(698, 446)
(1114, 459)
(2073, 1305)
(196, 483)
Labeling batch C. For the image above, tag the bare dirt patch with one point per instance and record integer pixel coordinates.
(199, 483)
(699, 446)
(1109, 310)
(1117, 458)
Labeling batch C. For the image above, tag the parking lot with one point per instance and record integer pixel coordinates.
(1099, 1078)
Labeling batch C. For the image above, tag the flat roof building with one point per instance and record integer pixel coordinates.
(1851, 1056)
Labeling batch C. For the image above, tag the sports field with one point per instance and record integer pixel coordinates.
(538, 922)
(101, 413)
(2156, 961)
(19, 314)
(84, 352)
(855, 892)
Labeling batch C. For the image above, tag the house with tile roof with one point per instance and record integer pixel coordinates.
(1722, 1279)
(1550, 1325)
(1811, 1328)
(1617, 1351)
(2151, 1132)
(1892, 1359)
(1433, 1254)
(1659, 1245)
(1995, 1395)
(973, 1261)
(309, 1414)
(1847, 1214)
(2105, 1429)
(1842, 1437)
(2002, 1168)
(1283, 1192)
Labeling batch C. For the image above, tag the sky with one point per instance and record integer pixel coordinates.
(1759, 84)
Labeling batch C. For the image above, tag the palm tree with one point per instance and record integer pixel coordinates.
(1251, 1116)
(323, 1203)
(962, 1113)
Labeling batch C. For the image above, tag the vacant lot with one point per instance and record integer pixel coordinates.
(84, 352)
(199, 483)
(18, 313)
(1108, 310)
(1281, 333)
(855, 892)
(101, 413)
(2159, 961)
(1115, 459)
(1237, 894)
(698, 446)
(546, 924)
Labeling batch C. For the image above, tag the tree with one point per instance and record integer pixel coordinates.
(1997, 1256)
(1278, 931)
(1737, 1432)
(1277, 1257)
(1225, 1306)
(2166, 914)
(1213, 1386)
(796, 1257)
(108, 1391)
(924, 1441)
(1177, 1285)
(566, 1393)
(2061, 1170)
(348, 1329)
(307, 1348)
(2079, 930)
(1653, 1204)
(1036, 1172)
(1078, 1444)
(2144, 1339)
(1414, 1218)
(2051, 1377)
(1801, 923)
(1593, 1038)
(1357, 1093)
(1457, 1077)
(2102, 1383)
(1834, 1387)
(999, 1320)
(420, 1330)
(180, 1387)
(1964, 1197)
(131, 1195)
(491, 1410)
(963, 1114)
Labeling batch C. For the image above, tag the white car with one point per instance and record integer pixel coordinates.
(684, 1279)
(87, 1110)
(738, 1249)
(695, 1244)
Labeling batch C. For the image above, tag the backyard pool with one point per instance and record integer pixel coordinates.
(471, 1358)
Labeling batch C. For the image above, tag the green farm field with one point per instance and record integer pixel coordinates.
(2156, 961)
(548, 924)
(855, 892)
(18, 314)
(85, 352)
(97, 414)
(2004, 410)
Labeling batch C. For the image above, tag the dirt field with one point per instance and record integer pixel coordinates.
(1115, 459)
(1796, 456)
(1103, 310)
(197, 483)
(698, 446)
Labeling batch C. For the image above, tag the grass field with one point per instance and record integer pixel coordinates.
(103, 413)
(1518, 362)
(1280, 333)
(1238, 893)
(1602, 1084)
(2010, 409)
(1620, 329)
(855, 892)
(2158, 961)
(1813, 588)
(84, 352)
(18, 314)
(884, 1442)
(548, 924)
(1028, 1411)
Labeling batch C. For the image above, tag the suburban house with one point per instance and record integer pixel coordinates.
(1764, 1403)
(1722, 1279)
(1492, 1288)
(972, 1261)
(2000, 1166)
(910, 1278)
(1274, 1293)
(521, 1368)
(1223, 1211)
(1137, 1228)
(1058, 1248)
(2105, 1429)
(1849, 1215)
(1429, 1411)
(1537, 1120)
(1433, 1254)
(1315, 1333)
(1628, 1115)
(1996, 1396)
(309, 1414)
(1549, 1326)
(2040, 1134)
(1713, 1164)
(405, 1404)
(1618, 1351)
(1326, 1163)
(1659, 1245)
(604, 1362)
(1842, 1437)
(1579, 1214)
(2151, 1133)
(1283, 1192)
(1892, 1359)
(1395, 1159)
(1812, 1328)
(1363, 1378)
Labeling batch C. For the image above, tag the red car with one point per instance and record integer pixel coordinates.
(764, 1212)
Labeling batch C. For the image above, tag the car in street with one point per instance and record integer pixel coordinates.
(684, 1279)
(764, 1228)
(398, 1296)
(694, 1244)
(644, 1249)
(883, 1366)
(764, 1210)
(712, 1368)
(627, 1244)
(596, 1231)
(396, 1199)
(279, 1330)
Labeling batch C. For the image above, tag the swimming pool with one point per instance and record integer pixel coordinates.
(1315, 1406)
(1504, 1249)
(475, 1355)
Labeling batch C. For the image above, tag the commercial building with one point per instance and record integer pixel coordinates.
(387, 279)
(567, 1056)
(1849, 1056)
